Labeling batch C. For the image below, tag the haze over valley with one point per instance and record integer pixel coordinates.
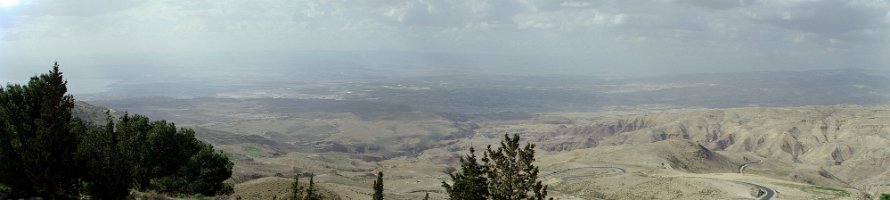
(650, 99)
(809, 134)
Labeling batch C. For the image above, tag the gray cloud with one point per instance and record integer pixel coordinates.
(717, 4)
(825, 17)
(76, 8)
(628, 34)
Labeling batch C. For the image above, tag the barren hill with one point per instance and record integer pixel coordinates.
(804, 152)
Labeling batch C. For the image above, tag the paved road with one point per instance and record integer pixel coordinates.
(768, 194)
(743, 166)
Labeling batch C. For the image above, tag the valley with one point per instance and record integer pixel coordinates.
(608, 152)
(373, 100)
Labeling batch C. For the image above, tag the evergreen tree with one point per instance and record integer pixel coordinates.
(505, 173)
(203, 174)
(296, 189)
(136, 130)
(378, 187)
(470, 183)
(11, 170)
(312, 192)
(45, 152)
(36, 143)
(166, 151)
(103, 150)
(155, 155)
(511, 173)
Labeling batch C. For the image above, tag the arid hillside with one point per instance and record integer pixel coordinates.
(838, 146)
(805, 152)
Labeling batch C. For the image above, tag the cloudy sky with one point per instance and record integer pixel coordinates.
(656, 36)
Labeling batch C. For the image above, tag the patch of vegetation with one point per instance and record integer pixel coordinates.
(4, 188)
(149, 195)
(200, 197)
(334, 159)
(817, 189)
(767, 172)
(252, 150)
(828, 191)
(709, 192)
(885, 196)
(237, 156)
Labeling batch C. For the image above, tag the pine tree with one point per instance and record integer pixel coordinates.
(45, 152)
(511, 173)
(296, 189)
(470, 183)
(378, 187)
(136, 131)
(311, 192)
(105, 155)
(170, 158)
(203, 169)
(37, 143)
(506, 173)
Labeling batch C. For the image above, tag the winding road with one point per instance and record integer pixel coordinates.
(769, 193)
(743, 166)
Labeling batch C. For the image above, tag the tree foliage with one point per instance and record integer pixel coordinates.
(470, 183)
(504, 173)
(510, 172)
(312, 191)
(36, 143)
(296, 189)
(155, 156)
(304, 193)
(378, 187)
(45, 152)
(104, 152)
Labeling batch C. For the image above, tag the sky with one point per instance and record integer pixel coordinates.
(89, 37)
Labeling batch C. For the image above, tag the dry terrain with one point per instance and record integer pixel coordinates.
(809, 152)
